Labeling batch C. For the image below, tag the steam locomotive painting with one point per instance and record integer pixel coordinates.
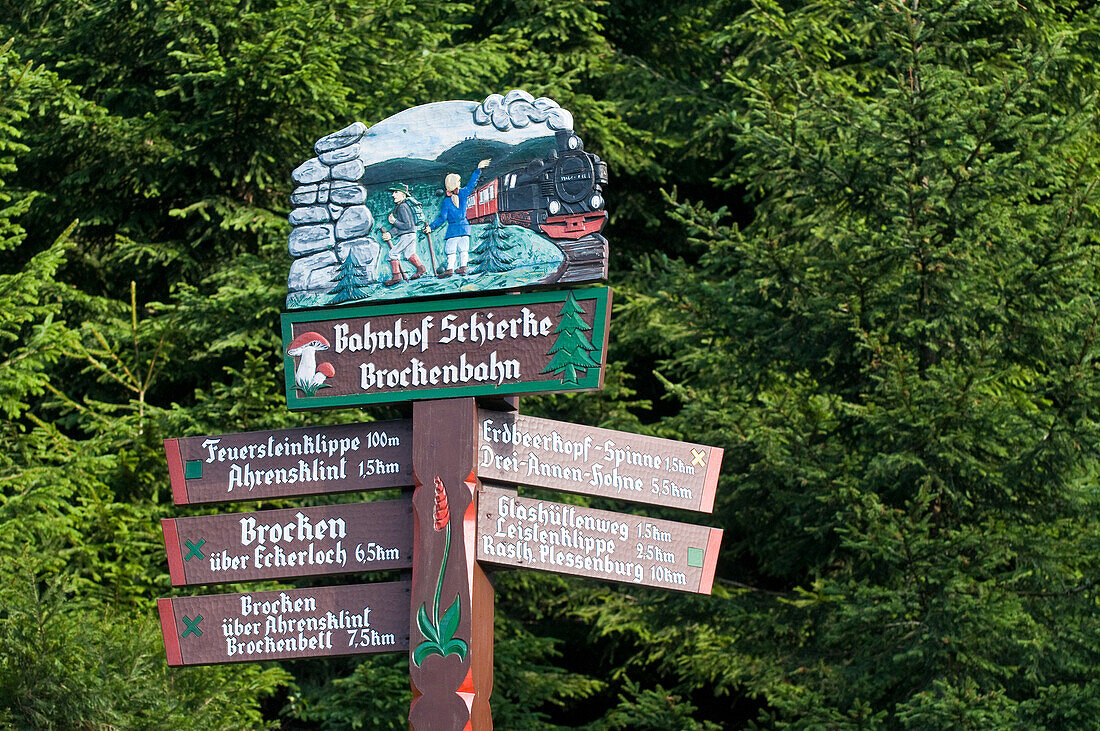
(559, 196)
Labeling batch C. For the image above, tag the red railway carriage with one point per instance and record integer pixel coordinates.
(483, 203)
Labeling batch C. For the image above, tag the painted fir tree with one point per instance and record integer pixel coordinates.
(495, 252)
(353, 279)
(570, 354)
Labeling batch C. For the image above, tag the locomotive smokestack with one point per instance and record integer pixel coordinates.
(568, 140)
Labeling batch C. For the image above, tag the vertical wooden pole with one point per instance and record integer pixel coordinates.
(451, 632)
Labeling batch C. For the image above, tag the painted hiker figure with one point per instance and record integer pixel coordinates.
(402, 236)
(453, 213)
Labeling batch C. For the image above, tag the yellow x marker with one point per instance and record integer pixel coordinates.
(698, 457)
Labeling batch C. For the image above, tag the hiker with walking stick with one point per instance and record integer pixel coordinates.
(402, 236)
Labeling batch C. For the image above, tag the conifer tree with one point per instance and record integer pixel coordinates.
(74, 649)
(897, 353)
(572, 347)
(495, 250)
(172, 145)
(352, 281)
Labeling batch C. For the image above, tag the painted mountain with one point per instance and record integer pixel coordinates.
(533, 217)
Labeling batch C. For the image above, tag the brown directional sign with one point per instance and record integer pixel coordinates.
(482, 346)
(279, 544)
(571, 539)
(286, 625)
(584, 459)
(307, 461)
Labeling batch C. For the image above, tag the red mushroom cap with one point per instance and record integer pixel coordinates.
(326, 369)
(308, 338)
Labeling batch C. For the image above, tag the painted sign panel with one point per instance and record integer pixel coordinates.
(281, 544)
(574, 458)
(260, 465)
(571, 539)
(450, 197)
(286, 625)
(535, 342)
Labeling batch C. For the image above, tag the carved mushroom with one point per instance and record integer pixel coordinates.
(305, 347)
(324, 370)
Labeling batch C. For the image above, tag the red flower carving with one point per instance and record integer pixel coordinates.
(442, 512)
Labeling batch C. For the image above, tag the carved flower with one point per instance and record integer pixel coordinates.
(442, 512)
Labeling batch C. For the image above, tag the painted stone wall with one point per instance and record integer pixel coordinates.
(330, 218)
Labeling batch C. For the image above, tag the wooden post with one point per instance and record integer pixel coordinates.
(451, 632)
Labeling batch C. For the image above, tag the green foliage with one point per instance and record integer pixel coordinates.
(897, 352)
(375, 694)
(67, 662)
(78, 647)
(652, 709)
(876, 290)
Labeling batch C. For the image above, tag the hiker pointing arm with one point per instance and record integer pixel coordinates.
(456, 242)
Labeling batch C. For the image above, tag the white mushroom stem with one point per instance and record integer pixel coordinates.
(307, 366)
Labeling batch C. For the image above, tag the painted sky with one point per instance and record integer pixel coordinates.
(427, 131)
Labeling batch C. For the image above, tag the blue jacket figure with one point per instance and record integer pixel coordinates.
(456, 242)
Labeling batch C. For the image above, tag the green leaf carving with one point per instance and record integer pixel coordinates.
(425, 625)
(448, 623)
(423, 650)
(457, 647)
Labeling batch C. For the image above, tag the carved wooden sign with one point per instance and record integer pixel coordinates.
(307, 461)
(534, 342)
(599, 544)
(583, 459)
(280, 544)
(446, 198)
(398, 231)
(286, 625)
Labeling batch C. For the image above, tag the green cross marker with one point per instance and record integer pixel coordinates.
(194, 551)
(192, 626)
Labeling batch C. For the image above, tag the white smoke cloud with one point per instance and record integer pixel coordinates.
(517, 109)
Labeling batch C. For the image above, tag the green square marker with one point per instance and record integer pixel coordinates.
(192, 469)
(695, 557)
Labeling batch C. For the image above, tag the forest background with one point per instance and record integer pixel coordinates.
(853, 243)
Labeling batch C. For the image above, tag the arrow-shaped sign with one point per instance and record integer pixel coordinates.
(286, 625)
(572, 539)
(542, 453)
(260, 465)
(282, 544)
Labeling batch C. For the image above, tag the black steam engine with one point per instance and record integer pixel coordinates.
(560, 196)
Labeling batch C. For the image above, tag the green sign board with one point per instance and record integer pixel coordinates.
(503, 345)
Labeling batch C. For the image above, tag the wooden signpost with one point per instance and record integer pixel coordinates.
(451, 613)
(583, 459)
(599, 544)
(483, 346)
(521, 208)
(286, 624)
(494, 195)
(287, 462)
(283, 544)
